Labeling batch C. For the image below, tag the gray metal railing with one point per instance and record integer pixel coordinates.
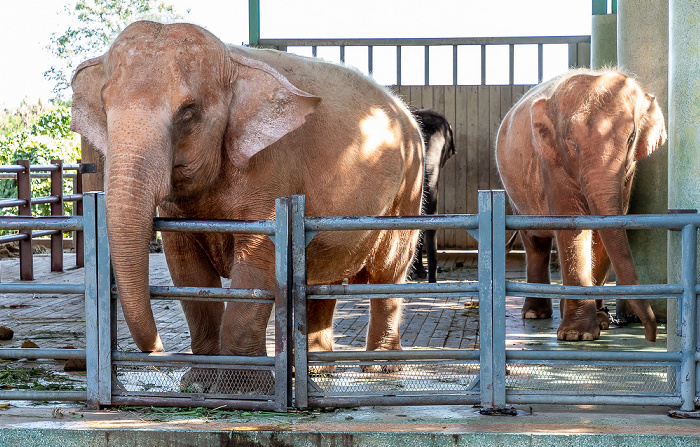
(492, 375)
(578, 50)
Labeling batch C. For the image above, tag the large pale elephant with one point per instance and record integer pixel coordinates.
(569, 147)
(206, 131)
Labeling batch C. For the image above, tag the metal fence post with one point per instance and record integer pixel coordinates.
(498, 240)
(91, 308)
(688, 321)
(24, 192)
(57, 210)
(283, 382)
(106, 306)
(301, 342)
(486, 300)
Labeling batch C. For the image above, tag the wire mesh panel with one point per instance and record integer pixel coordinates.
(571, 378)
(408, 378)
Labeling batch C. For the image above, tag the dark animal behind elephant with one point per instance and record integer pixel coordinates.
(439, 147)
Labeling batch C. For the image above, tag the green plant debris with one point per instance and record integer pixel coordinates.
(164, 414)
(37, 379)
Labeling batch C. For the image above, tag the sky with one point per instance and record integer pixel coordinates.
(26, 27)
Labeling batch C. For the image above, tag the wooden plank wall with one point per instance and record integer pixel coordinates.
(475, 112)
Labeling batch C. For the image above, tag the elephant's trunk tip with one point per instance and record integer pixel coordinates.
(155, 346)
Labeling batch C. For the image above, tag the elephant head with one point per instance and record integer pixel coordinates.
(168, 106)
(590, 133)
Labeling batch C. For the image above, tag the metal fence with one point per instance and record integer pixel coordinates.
(23, 173)
(491, 375)
(578, 52)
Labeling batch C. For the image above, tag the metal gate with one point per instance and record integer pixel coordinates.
(491, 375)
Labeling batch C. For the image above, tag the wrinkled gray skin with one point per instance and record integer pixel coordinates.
(206, 131)
(570, 147)
(439, 147)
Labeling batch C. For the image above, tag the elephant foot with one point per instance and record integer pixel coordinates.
(603, 320)
(198, 380)
(586, 329)
(227, 381)
(322, 370)
(244, 381)
(537, 308)
(383, 367)
(377, 369)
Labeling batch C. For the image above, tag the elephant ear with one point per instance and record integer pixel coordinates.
(652, 130)
(264, 108)
(543, 130)
(87, 116)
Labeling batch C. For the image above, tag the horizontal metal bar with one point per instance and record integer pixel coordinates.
(41, 233)
(664, 290)
(42, 395)
(591, 356)
(628, 222)
(352, 223)
(463, 398)
(366, 289)
(425, 41)
(411, 354)
(12, 168)
(43, 200)
(549, 397)
(199, 401)
(72, 197)
(56, 289)
(33, 176)
(178, 357)
(49, 167)
(266, 227)
(41, 353)
(13, 237)
(382, 296)
(64, 223)
(8, 203)
(159, 292)
(179, 395)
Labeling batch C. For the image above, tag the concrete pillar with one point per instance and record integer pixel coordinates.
(683, 119)
(604, 41)
(642, 51)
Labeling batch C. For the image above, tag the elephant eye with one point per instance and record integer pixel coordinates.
(186, 116)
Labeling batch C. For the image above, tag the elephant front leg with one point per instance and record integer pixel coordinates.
(190, 267)
(320, 324)
(579, 320)
(244, 324)
(537, 254)
(601, 267)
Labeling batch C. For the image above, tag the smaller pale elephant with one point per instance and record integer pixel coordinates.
(570, 147)
(439, 147)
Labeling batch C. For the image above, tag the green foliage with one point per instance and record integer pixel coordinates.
(96, 24)
(38, 134)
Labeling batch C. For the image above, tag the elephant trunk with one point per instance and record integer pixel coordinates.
(137, 179)
(609, 202)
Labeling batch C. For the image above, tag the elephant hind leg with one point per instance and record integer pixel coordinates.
(537, 254)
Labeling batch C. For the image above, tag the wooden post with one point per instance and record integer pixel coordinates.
(24, 192)
(88, 154)
(57, 210)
